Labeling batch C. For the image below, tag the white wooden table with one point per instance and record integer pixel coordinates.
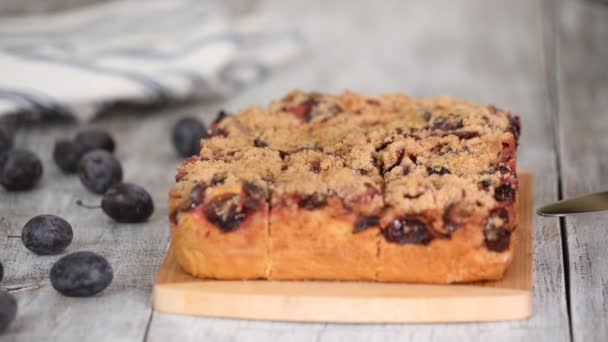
(545, 60)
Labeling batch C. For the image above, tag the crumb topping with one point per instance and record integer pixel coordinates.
(389, 155)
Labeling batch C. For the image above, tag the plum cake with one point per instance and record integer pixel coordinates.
(350, 187)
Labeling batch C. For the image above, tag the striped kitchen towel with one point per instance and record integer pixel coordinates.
(147, 52)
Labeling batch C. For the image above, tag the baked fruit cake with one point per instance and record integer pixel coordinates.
(350, 187)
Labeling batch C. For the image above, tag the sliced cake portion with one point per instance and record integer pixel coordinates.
(450, 204)
(219, 215)
(321, 219)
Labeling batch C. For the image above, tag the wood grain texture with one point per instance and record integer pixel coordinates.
(510, 298)
(582, 74)
(486, 50)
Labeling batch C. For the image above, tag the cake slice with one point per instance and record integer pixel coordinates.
(450, 204)
(321, 212)
(219, 215)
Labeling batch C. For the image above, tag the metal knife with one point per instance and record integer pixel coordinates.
(584, 204)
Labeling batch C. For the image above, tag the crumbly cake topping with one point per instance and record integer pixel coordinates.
(395, 160)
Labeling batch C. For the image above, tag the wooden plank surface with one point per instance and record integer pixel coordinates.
(510, 298)
(487, 50)
(582, 75)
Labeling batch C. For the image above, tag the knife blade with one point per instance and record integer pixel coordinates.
(583, 204)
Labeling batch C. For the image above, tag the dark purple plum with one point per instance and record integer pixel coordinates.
(187, 134)
(93, 139)
(125, 202)
(66, 155)
(99, 170)
(81, 274)
(47, 234)
(19, 170)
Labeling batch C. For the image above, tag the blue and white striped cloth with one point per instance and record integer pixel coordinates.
(76, 63)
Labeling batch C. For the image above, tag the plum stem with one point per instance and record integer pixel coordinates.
(26, 287)
(87, 206)
(13, 236)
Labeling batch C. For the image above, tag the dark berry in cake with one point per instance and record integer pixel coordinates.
(256, 191)
(314, 201)
(47, 234)
(497, 236)
(259, 142)
(19, 170)
(81, 274)
(187, 134)
(197, 195)
(504, 192)
(438, 170)
(365, 222)
(8, 310)
(66, 155)
(497, 239)
(450, 122)
(218, 179)
(125, 202)
(454, 216)
(315, 166)
(93, 139)
(305, 110)
(515, 123)
(484, 184)
(99, 170)
(409, 229)
(223, 212)
(466, 135)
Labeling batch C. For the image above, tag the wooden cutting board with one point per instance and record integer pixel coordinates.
(317, 301)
